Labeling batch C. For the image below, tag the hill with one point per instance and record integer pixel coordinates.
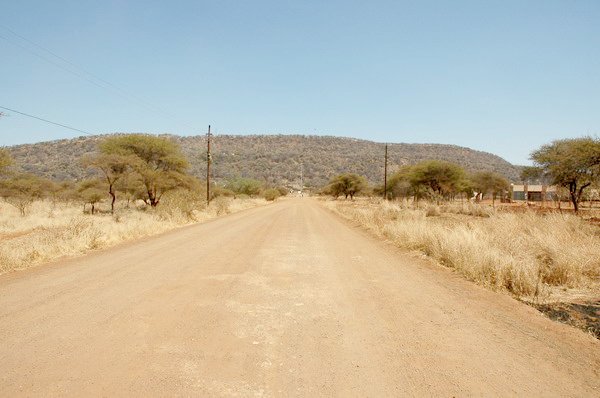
(277, 159)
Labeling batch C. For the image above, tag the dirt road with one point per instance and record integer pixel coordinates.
(282, 300)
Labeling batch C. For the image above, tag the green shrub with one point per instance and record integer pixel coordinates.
(246, 186)
(271, 194)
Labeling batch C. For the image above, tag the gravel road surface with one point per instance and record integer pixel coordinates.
(281, 300)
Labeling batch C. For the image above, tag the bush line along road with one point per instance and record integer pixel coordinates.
(280, 300)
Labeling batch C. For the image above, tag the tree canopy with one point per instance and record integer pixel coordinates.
(244, 186)
(348, 184)
(158, 161)
(441, 178)
(400, 183)
(114, 167)
(487, 182)
(532, 174)
(571, 163)
(22, 190)
(91, 191)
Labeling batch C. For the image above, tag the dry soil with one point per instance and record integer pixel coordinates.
(282, 300)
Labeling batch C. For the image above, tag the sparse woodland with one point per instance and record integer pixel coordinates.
(136, 185)
(540, 255)
(431, 180)
(126, 168)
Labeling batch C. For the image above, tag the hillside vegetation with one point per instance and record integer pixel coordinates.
(275, 159)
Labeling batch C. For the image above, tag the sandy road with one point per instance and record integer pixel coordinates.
(283, 300)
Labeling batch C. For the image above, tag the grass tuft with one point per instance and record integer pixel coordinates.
(526, 254)
(52, 230)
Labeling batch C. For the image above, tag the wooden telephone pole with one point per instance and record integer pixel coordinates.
(208, 162)
(385, 173)
(301, 179)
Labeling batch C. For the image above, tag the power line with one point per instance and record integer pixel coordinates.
(50, 61)
(46, 120)
(88, 76)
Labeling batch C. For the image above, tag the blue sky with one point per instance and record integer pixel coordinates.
(499, 76)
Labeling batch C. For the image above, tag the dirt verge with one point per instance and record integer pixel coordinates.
(584, 316)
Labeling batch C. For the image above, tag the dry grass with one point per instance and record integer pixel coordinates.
(529, 255)
(50, 231)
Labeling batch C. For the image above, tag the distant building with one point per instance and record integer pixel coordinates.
(533, 193)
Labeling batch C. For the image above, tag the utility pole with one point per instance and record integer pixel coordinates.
(208, 162)
(385, 174)
(301, 179)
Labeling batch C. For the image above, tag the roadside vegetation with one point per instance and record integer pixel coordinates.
(530, 255)
(572, 164)
(466, 221)
(428, 181)
(137, 185)
(51, 230)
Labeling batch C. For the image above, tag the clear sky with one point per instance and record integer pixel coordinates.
(499, 76)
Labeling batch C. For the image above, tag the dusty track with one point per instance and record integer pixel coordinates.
(282, 300)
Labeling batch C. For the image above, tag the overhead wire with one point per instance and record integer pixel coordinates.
(46, 120)
(88, 76)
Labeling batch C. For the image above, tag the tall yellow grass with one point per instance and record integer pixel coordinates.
(50, 231)
(527, 254)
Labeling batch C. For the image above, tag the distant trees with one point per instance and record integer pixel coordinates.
(241, 186)
(570, 163)
(348, 184)
(21, 191)
(244, 186)
(91, 191)
(400, 184)
(432, 179)
(5, 160)
(532, 174)
(442, 179)
(271, 194)
(438, 180)
(487, 182)
(64, 191)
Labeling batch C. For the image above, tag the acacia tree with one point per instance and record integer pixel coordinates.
(64, 191)
(485, 182)
(399, 184)
(571, 163)
(130, 187)
(442, 178)
(114, 167)
(533, 174)
(21, 191)
(348, 184)
(158, 161)
(91, 192)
